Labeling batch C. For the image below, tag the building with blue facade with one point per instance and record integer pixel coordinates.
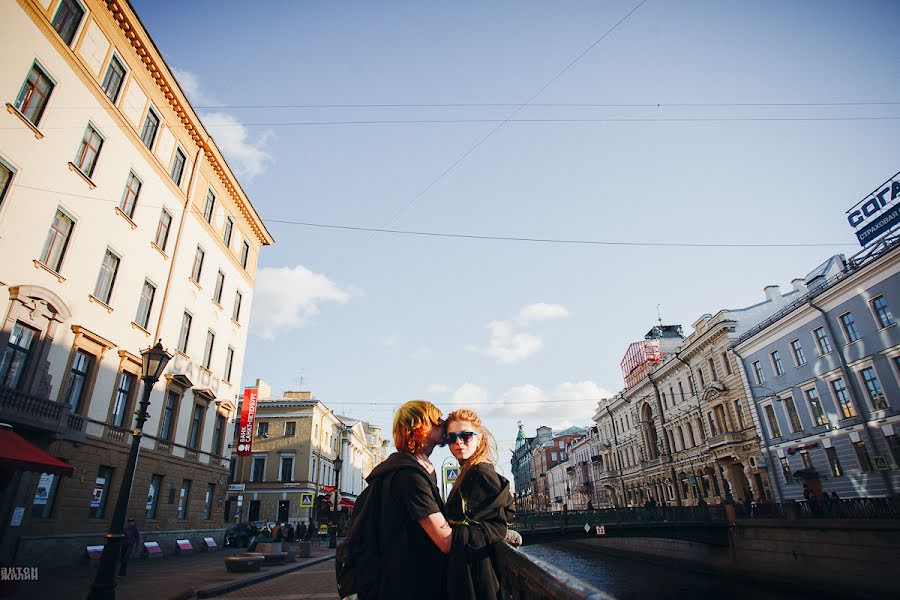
(824, 376)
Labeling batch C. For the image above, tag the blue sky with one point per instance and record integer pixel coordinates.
(752, 142)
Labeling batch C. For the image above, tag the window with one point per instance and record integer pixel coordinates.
(107, 277)
(797, 351)
(218, 434)
(262, 429)
(145, 304)
(229, 361)
(100, 492)
(196, 427)
(130, 195)
(851, 333)
(229, 227)
(78, 377)
(777, 366)
(807, 460)
(691, 384)
(6, 175)
(882, 312)
(833, 462)
(44, 495)
(712, 370)
(149, 129)
(773, 422)
(758, 373)
(681, 391)
(220, 283)
(210, 206)
(791, 409)
(739, 409)
(162, 229)
(88, 151)
(873, 387)
(712, 424)
(287, 468)
(672, 395)
(197, 269)
(290, 429)
(822, 340)
(843, 399)
(259, 469)
(727, 363)
(185, 334)
(208, 349)
(184, 499)
(862, 455)
(15, 358)
(553, 456)
(35, 93)
(721, 420)
(786, 470)
(112, 81)
(68, 17)
(236, 313)
(57, 241)
(178, 166)
(815, 407)
(245, 253)
(207, 502)
(170, 413)
(702, 378)
(123, 396)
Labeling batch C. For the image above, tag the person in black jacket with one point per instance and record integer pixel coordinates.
(413, 535)
(479, 507)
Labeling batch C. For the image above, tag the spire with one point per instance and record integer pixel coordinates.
(520, 438)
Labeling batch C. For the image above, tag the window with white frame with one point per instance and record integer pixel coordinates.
(873, 388)
(57, 241)
(220, 283)
(106, 280)
(797, 352)
(777, 365)
(229, 362)
(815, 407)
(88, 151)
(184, 335)
(881, 311)
(236, 311)
(229, 228)
(208, 349)
(130, 194)
(34, 95)
(262, 428)
(14, 361)
(245, 254)
(197, 269)
(822, 341)
(791, 410)
(842, 398)
(286, 471)
(162, 229)
(848, 324)
(145, 304)
(112, 81)
(67, 19)
(772, 420)
(727, 363)
(758, 373)
(210, 207)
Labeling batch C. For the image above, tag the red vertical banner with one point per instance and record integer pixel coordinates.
(248, 415)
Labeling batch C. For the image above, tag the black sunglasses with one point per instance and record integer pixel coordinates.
(465, 436)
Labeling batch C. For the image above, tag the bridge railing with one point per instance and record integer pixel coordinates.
(525, 578)
(658, 514)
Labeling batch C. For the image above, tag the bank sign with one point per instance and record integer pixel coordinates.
(877, 213)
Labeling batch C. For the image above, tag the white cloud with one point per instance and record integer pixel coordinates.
(438, 388)
(248, 155)
(286, 297)
(391, 341)
(541, 311)
(508, 344)
(469, 394)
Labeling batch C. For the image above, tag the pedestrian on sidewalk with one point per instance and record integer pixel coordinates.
(129, 546)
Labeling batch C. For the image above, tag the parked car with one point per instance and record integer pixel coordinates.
(238, 535)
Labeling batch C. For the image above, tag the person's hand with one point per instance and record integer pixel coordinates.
(513, 538)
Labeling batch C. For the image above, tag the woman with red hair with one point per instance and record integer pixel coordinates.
(479, 508)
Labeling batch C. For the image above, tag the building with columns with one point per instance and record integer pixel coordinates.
(120, 224)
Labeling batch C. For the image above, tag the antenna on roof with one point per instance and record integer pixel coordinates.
(658, 316)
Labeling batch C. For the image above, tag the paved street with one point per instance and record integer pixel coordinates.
(313, 582)
(183, 577)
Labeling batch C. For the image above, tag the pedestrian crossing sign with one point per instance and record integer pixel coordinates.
(451, 474)
(306, 499)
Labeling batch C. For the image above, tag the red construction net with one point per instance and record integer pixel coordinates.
(639, 360)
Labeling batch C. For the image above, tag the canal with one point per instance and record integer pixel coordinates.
(632, 578)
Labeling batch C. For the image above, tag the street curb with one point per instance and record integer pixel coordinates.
(231, 586)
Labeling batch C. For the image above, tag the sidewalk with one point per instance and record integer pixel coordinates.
(198, 575)
(314, 582)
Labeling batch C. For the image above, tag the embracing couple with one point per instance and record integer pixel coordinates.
(428, 549)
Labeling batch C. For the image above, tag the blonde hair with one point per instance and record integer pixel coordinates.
(486, 452)
(413, 424)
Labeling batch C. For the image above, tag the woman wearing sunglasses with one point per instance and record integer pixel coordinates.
(479, 507)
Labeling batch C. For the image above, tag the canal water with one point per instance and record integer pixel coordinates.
(632, 578)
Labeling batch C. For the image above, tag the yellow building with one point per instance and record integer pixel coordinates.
(120, 224)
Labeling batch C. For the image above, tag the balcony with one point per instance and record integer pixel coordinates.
(33, 412)
(609, 474)
(729, 437)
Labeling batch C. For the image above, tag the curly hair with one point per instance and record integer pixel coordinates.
(413, 424)
(487, 446)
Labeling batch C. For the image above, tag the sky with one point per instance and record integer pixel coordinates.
(748, 128)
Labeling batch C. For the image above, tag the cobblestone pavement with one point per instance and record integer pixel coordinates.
(159, 579)
(313, 582)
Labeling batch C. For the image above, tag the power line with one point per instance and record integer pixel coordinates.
(468, 236)
(556, 105)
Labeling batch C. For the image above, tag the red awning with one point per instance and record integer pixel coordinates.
(19, 454)
(347, 503)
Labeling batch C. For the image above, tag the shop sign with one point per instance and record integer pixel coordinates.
(248, 416)
(877, 213)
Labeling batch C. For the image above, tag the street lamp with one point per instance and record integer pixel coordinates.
(154, 361)
(332, 539)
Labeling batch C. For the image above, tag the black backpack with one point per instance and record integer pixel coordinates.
(358, 559)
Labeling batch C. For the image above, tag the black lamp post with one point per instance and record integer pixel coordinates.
(332, 538)
(154, 361)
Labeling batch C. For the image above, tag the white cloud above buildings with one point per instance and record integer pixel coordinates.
(286, 297)
(248, 155)
(510, 342)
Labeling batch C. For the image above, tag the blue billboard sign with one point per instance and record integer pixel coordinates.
(877, 213)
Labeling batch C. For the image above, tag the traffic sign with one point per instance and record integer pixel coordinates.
(601, 530)
(451, 474)
(306, 499)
